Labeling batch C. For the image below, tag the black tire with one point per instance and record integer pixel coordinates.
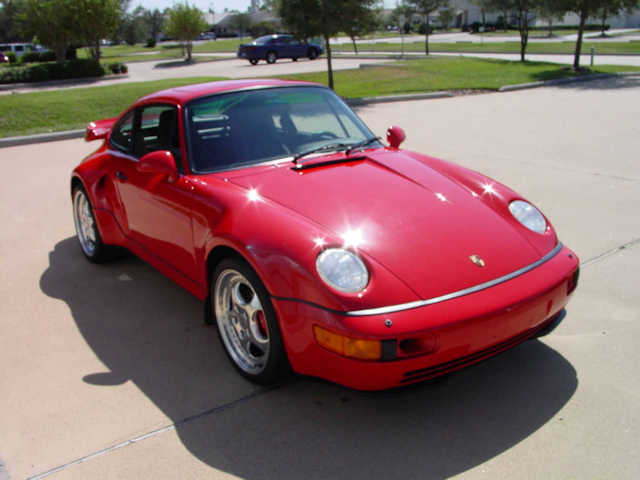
(313, 54)
(271, 57)
(253, 61)
(295, 59)
(261, 365)
(87, 230)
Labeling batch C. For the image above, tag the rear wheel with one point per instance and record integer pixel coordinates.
(247, 322)
(295, 59)
(271, 57)
(253, 61)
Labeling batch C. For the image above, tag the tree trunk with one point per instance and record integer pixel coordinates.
(60, 49)
(329, 67)
(524, 33)
(604, 21)
(576, 58)
(550, 27)
(426, 35)
(355, 45)
(189, 48)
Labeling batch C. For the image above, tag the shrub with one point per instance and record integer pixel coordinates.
(32, 57)
(52, 71)
(12, 57)
(151, 42)
(117, 68)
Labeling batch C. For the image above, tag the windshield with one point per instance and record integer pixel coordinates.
(255, 126)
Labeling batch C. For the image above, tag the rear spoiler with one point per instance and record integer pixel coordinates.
(99, 129)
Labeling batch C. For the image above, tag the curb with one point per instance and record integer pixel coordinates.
(356, 102)
(40, 138)
(562, 81)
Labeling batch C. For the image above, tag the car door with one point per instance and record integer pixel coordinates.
(297, 48)
(154, 207)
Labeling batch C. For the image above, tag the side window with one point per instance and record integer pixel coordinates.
(158, 130)
(122, 136)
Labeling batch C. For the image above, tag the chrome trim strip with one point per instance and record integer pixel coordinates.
(459, 293)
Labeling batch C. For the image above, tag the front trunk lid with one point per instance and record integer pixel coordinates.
(428, 230)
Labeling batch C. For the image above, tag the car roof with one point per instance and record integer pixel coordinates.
(184, 94)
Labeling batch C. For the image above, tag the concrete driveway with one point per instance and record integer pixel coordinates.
(108, 372)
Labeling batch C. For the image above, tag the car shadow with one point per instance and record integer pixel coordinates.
(147, 330)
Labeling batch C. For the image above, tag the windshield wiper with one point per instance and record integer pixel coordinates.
(361, 144)
(325, 148)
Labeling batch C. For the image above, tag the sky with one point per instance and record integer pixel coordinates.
(217, 5)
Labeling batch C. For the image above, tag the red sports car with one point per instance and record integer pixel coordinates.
(313, 245)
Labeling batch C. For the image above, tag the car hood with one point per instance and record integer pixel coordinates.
(396, 209)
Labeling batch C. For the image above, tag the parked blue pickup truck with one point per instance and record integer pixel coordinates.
(272, 47)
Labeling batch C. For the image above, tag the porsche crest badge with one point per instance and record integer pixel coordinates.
(477, 260)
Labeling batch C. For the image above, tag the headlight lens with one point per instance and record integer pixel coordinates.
(528, 215)
(342, 270)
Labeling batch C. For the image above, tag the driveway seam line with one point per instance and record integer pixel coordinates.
(154, 433)
(610, 252)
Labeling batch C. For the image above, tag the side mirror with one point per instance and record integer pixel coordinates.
(395, 136)
(159, 162)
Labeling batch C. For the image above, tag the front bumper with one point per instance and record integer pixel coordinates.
(458, 332)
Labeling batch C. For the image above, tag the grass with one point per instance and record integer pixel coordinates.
(502, 47)
(435, 74)
(70, 109)
(59, 110)
(532, 34)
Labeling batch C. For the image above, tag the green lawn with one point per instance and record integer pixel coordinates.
(435, 74)
(60, 110)
(502, 47)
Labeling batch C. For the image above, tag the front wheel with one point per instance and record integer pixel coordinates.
(247, 322)
(271, 57)
(253, 61)
(313, 54)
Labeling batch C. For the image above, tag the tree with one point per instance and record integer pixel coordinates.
(590, 8)
(154, 20)
(241, 22)
(446, 17)
(9, 21)
(52, 21)
(185, 22)
(133, 27)
(95, 20)
(426, 8)
(549, 11)
(486, 6)
(402, 14)
(311, 18)
(363, 17)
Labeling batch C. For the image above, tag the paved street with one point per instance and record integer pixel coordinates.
(107, 371)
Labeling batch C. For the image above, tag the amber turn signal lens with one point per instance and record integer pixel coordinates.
(347, 346)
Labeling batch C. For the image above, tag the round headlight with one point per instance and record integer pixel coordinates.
(342, 270)
(528, 215)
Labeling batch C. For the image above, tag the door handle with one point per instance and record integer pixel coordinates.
(121, 176)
